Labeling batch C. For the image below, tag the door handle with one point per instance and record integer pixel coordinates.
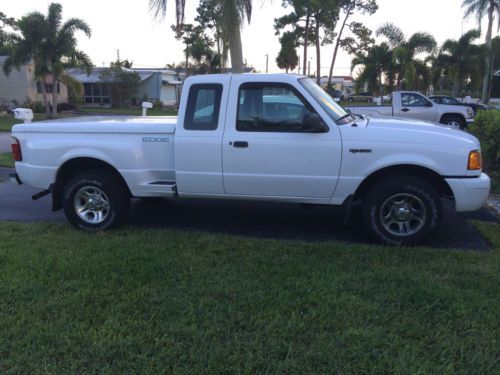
(405, 110)
(240, 144)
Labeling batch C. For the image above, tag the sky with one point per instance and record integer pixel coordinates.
(129, 27)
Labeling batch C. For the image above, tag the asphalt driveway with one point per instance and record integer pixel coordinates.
(260, 219)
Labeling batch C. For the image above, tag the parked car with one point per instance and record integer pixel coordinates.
(448, 100)
(361, 97)
(414, 105)
(255, 137)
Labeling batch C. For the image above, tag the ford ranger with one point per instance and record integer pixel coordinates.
(255, 137)
(413, 105)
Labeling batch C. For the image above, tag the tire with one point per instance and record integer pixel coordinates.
(350, 99)
(455, 122)
(401, 210)
(108, 196)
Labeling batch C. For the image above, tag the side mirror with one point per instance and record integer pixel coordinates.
(314, 124)
(429, 104)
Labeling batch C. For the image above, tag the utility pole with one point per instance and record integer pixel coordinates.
(267, 63)
(117, 55)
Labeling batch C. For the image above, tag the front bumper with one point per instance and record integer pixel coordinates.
(470, 193)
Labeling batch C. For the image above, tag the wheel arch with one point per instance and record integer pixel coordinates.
(452, 114)
(433, 178)
(75, 166)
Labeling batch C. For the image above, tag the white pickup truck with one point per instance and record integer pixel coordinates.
(256, 137)
(413, 105)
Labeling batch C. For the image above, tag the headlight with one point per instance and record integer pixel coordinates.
(475, 160)
(470, 112)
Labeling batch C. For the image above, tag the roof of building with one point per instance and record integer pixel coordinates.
(144, 73)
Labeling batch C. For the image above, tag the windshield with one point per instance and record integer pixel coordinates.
(336, 112)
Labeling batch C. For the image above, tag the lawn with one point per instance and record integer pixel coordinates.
(6, 123)
(128, 111)
(164, 301)
(6, 160)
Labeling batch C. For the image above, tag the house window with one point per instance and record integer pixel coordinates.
(95, 93)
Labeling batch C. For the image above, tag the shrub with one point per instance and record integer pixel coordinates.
(486, 127)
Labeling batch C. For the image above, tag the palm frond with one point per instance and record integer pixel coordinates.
(392, 33)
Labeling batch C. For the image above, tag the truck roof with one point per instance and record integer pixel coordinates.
(251, 77)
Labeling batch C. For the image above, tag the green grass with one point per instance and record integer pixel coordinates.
(128, 111)
(6, 123)
(6, 160)
(165, 301)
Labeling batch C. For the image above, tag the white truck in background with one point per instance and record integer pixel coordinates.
(255, 137)
(413, 105)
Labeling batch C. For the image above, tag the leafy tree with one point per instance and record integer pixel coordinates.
(287, 57)
(51, 44)
(374, 64)
(209, 16)
(461, 58)
(480, 8)
(300, 21)
(232, 17)
(360, 37)
(313, 23)
(122, 83)
(7, 25)
(405, 63)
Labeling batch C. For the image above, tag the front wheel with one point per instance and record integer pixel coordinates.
(455, 122)
(95, 201)
(402, 211)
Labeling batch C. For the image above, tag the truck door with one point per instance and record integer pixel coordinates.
(266, 149)
(198, 136)
(417, 107)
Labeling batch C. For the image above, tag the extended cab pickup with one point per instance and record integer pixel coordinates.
(413, 105)
(256, 137)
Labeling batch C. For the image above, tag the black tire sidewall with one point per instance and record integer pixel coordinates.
(404, 184)
(118, 200)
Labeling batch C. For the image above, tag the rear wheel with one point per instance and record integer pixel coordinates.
(95, 201)
(402, 210)
(455, 122)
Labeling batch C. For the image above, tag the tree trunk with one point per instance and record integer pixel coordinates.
(485, 97)
(286, 70)
(45, 99)
(318, 55)
(456, 87)
(236, 51)
(337, 45)
(306, 41)
(54, 97)
(381, 88)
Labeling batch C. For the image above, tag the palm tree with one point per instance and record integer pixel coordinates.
(480, 8)
(52, 46)
(233, 13)
(374, 65)
(461, 57)
(405, 50)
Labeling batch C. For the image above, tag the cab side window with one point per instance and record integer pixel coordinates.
(414, 100)
(202, 111)
(268, 107)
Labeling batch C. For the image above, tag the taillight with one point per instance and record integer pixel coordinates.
(17, 155)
